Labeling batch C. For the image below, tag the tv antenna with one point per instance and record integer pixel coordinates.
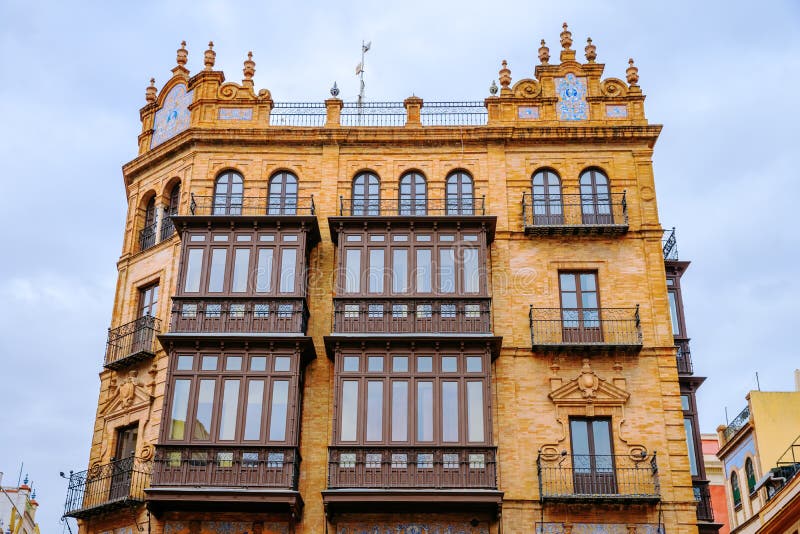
(360, 73)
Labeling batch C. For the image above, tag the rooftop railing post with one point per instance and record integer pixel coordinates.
(413, 105)
(333, 111)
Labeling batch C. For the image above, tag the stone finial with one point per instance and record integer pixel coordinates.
(183, 54)
(544, 54)
(505, 76)
(249, 67)
(150, 92)
(632, 73)
(210, 56)
(493, 88)
(566, 37)
(591, 50)
(334, 90)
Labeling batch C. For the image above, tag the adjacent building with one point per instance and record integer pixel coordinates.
(395, 317)
(717, 486)
(760, 452)
(18, 509)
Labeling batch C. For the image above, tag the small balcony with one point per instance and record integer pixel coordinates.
(245, 206)
(147, 237)
(598, 478)
(574, 214)
(117, 484)
(411, 316)
(683, 357)
(705, 510)
(238, 317)
(669, 245)
(413, 207)
(261, 478)
(132, 342)
(739, 422)
(167, 227)
(585, 329)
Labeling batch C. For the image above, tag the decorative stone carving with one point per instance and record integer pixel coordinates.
(591, 50)
(613, 87)
(209, 57)
(527, 89)
(544, 54)
(130, 394)
(505, 76)
(566, 37)
(632, 74)
(249, 68)
(182, 55)
(150, 92)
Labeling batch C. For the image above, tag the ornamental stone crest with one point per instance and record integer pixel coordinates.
(174, 115)
(571, 92)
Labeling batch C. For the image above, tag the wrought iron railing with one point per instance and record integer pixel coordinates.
(598, 476)
(104, 486)
(737, 424)
(407, 207)
(132, 341)
(167, 226)
(373, 114)
(574, 212)
(238, 205)
(454, 114)
(226, 467)
(588, 327)
(412, 467)
(412, 316)
(683, 358)
(298, 114)
(238, 316)
(147, 236)
(786, 468)
(705, 510)
(669, 245)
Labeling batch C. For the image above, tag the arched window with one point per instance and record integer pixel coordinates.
(147, 236)
(460, 199)
(282, 194)
(366, 195)
(413, 194)
(167, 226)
(547, 206)
(737, 494)
(751, 475)
(228, 194)
(595, 198)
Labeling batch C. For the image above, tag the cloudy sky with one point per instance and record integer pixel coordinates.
(721, 78)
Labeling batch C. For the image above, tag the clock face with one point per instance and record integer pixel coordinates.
(174, 115)
(572, 105)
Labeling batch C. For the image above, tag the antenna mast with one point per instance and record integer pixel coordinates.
(360, 72)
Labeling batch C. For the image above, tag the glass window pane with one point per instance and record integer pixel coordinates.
(375, 363)
(685, 405)
(278, 411)
(424, 364)
(233, 363)
(471, 272)
(687, 424)
(209, 363)
(258, 363)
(588, 282)
(230, 408)
(673, 313)
(374, 411)
(216, 276)
(255, 401)
(447, 270)
(424, 270)
(349, 415)
(580, 437)
(205, 408)
(400, 364)
(350, 363)
(288, 266)
(376, 270)
(425, 411)
(449, 411)
(241, 266)
(449, 364)
(474, 364)
(567, 282)
(352, 277)
(282, 364)
(180, 405)
(400, 270)
(602, 438)
(475, 411)
(264, 270)
(193, 268)
(185, 362)
(399, 411)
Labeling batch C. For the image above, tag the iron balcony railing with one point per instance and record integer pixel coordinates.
(705, 511)
(412, 467)
(243, 206)
(118, 483)
(226, 467)
(454, 114)
(373, 114)
(598, 476)
(298, 114)
(379, 114)
(238, 316)
(408, 207)
(684, 358)
(669, 245)
(786, 468)
(585, 327)
(409, 316)
(574, 213)
(147, 236)
(133, 341)
(167, 226)
(737, 424)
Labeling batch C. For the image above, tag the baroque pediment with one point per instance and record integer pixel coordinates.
(587, 388)
(125, 395)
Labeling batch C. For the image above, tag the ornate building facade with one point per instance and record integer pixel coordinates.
(412, 317)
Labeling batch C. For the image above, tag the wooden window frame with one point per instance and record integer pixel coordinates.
(553, 207)
(582, 332)
(598, 200)
(229, 197)
(282, 203)
(408, 203)
(142, 293)
(366, 203)
(455, 204)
